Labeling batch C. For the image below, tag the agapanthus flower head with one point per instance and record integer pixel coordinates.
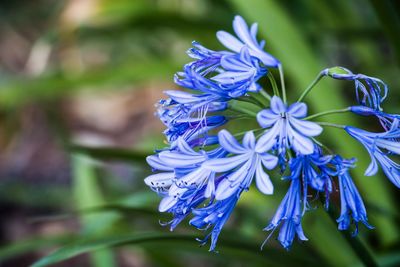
(205, 169)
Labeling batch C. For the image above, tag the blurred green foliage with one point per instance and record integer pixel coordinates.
(114, 45)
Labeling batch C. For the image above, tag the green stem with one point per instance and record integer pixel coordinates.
(265, 94)
(310, 87)
(241, 134)
(358, 247)
(256, 101)
(242, 110)
(333, 111)
(282, 83)
(330, 151)
(331, 125)
(273, 83)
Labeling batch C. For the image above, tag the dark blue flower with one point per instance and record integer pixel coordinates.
(246, 37)
(380, 146)
(289, 215)
(352, 205)
(370, 91)
(287, 129)
(214, 215)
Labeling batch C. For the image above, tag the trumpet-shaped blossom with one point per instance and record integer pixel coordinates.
(352, 205)
(379, 147)
(289, 215)
(203, 170)
(214, 215)
(286, 128)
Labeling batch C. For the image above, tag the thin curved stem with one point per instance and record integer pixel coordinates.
(265, 94)
(339, 126)
(333, 111)
(273, 83)
(330, 151)
(242, 110)
(310, 87)
(281, 75)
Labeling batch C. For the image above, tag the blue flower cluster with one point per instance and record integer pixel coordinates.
(205, 169)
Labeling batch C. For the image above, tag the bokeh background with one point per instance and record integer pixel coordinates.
(78, 84)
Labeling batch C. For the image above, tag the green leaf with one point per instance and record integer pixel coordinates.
(84, 246)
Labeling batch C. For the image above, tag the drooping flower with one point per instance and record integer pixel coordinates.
(380, 146)
(370, 91)
(289, 215)
(314, 171)
(243, 166)
(286, 128)
(214, 215)
(352, 205)
(246, 37)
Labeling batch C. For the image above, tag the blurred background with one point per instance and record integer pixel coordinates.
(78, 84)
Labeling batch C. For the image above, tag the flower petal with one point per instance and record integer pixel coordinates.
(266, 118)
(162, 179)
(268, 140)
(229, 41)
(225, 164)
(263, 182)
(298, 110)
(229, 143)
(277, 105)
(306, 128)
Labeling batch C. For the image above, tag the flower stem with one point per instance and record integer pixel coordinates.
(282, 78)
(330, 124)
(273, 83)
(242, 110)
(265, 94)
(310, 87)
(333, 111)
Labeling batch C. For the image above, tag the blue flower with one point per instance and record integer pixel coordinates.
(184, 171)
(214, 215)
(380, 146)
(352, 205)
(185, 115)
(224, 75)
(370, 91)
(289, 215)
(243, 166)
(246, 37)
(286, 128)
(315, 171)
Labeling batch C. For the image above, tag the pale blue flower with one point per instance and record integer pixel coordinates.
(286, 128)
(246, 37)
(244, 164)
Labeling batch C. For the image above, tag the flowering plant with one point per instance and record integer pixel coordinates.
(205, 169)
